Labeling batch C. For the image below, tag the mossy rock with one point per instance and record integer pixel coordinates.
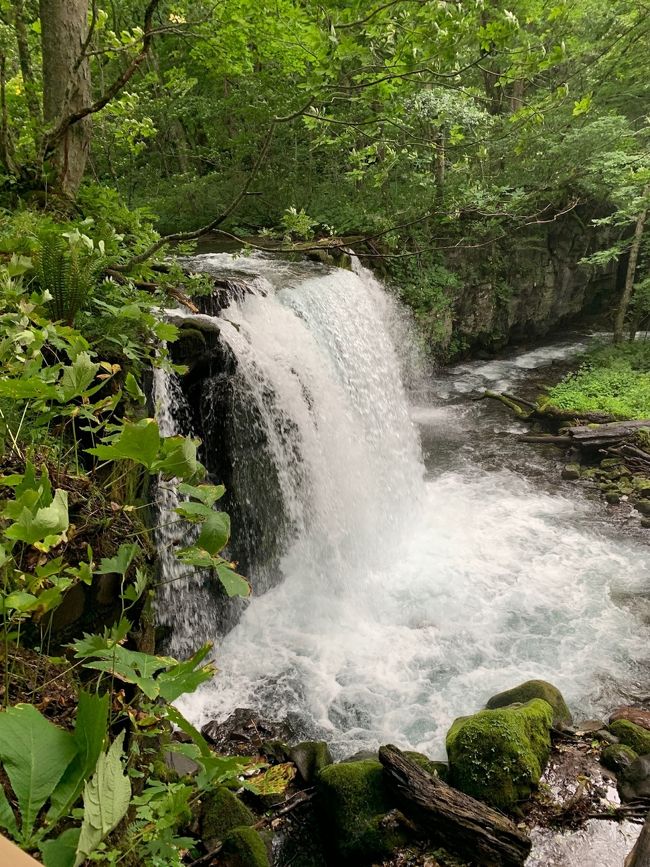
(221, 811)
(534, 689)
(617, 757)
(631, 735)
(310, 757)
(352, 802)
(498, 756)
(436, 769)
(244, 847)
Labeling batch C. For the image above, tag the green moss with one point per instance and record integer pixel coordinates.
(244, 847)
(631, 735)
(499, 755)
(617, 757)
(352, 803)
(310, 757)
(221, 811)
(440, 769)
(534, 689)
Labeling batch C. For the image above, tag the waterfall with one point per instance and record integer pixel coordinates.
(389, 598)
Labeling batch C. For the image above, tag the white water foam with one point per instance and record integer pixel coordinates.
(404, 602)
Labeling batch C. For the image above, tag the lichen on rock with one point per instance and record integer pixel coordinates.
(498, 756)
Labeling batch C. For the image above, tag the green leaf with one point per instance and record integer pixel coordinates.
(35, 754)
(139, 441)
(46, 524)
(77, 377)
(7, 818)
(62, 851)
(89, 736)
(208, 494)
(215, 533)
(31, 387)
(120, 563)
(188, 729)
(133, 389)
(178, 458)
(106, 800)
(233, 583)
(134, 591)
(20, 601)
(196, 512)
(185, 676)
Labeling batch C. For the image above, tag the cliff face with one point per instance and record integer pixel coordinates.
(527, 285)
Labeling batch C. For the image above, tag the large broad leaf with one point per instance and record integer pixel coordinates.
(62, 851)
(139, 441)
(89, 736)
(77, 377)
(185, 676)
(133, 667)
(35, 754)
(232, 582)
(178, 458)
(106, 800)
(29, 388)
(215, 533)
(7, 818)
(46, 524)
(197, 512)
(208, 494)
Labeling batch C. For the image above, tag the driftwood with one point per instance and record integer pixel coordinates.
(596, 436)
(525, 409)
(640, 855)
(460, 823)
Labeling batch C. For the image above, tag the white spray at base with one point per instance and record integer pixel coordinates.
(405, 601)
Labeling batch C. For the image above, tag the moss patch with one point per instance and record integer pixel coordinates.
(221, 811)
(499, 755)
(440, 769)
(631, 735)
(617, 757)
(352, 803)
(244, 847)
(534, 689)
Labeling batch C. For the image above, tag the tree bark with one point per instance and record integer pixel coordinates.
(460, 823)
(66, 85)
(626, 297)
(25, 61)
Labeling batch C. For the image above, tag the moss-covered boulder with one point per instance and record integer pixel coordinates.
(436, 769)
(352, 804)
(617, 757)
(244, 847)
(534, 689)
(310, 757)
(221, 811)
(498, 756)
(631, 735)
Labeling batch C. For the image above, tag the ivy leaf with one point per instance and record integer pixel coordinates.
(46, 524)
(120, 563)
(35, 754)
(106, 800)
(77, 377)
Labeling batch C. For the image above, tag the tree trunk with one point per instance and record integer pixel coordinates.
(66, 85)
(440, 165)
(619, 323)
(25, 60)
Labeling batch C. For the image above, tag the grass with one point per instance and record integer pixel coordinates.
(611, 379)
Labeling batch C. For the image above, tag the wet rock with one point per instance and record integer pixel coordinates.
(631, 735)
(613, 498)
(353, 807)
(498, 756)
(643, 506)
(571, 472)
(244, 732)
(221, 811)
(590, 726)
(534, 689)
(634, 781)
(636, 715)
(617, 757)
(645, 523)
(436, 769)
(362, 756)
(244, 847)
(310, 757)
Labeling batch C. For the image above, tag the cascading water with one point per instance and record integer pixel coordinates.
(406, 596)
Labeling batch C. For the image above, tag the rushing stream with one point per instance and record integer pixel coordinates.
(428, 559)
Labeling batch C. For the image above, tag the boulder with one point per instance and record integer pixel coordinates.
(617, 757)
(498, 756)
(221, 811)
(631, 735)
(352, 803)
(634, 782)
(310, 757)
(436, 769)
(244, 847)
(571, 472)
(244, 732)
(535, 689)
(636, 715)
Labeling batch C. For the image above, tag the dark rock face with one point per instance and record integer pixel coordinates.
(635, 781)
(244, 733)
(636, 715)
(310, 757)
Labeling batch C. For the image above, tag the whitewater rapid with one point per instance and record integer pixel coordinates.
(412, 587)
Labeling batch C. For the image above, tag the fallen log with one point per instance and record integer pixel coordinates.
(525, 409)
(462, 824)
(594, 436)
(640, 855)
